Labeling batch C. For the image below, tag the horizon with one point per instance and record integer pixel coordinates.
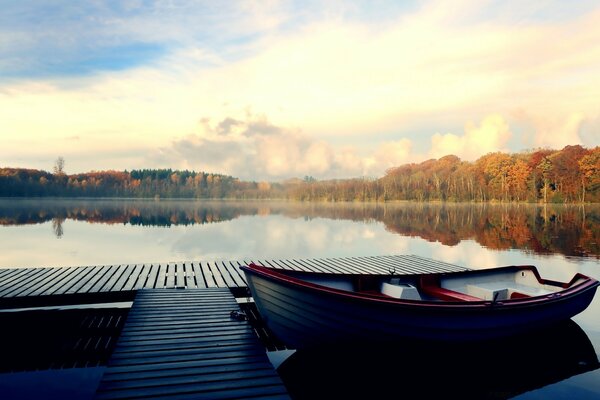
(280, 180)
(291, 89)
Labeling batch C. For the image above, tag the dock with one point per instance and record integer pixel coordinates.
(185, 343)
(180, 338)
(27, 287)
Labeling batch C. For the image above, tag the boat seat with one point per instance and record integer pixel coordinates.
(430, 286)
(496, 293)
(518, 295)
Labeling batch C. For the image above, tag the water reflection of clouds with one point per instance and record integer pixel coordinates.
(280, 237)
(467, 253)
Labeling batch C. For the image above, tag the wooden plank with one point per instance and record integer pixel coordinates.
(363, 266)
(143, 275)
(249, 386)
(6, 271)
(95, 279)
(208, 276)
(27, 275)
(129, 278)
(87, 285)
(122, 372)
(100, 283)
(24, 284)
(181, 329)
(406, 266)
(190, 281)
(193, 367)
(289, 266)
(152, 276)
(56, 280)
(66, 281)
(315, 265)
(156, 358)
(133, 277)
(199, 275)
(108, 286)
(216, 275)
(73, 280)
(205, 357)
(444, 266)
(225, 276)
(170, 282)
(52, 274)
(189, 376)
(177, 276)
(235, 273)
(161, 279)
(120, 283)
(145, 323)
(307, 264)
(401, 266)
(79, 281)
(17, 275)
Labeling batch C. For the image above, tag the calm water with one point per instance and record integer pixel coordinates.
(560, 240)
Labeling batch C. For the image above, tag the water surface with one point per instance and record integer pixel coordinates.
(561, 240)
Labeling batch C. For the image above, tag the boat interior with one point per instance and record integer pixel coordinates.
(497, 284)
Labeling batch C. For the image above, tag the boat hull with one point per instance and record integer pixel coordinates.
(305, 316)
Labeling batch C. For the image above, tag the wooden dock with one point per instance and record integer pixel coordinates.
(88, 284)
(185, 344)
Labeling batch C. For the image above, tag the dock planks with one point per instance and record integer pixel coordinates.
(32, 282)
(184, 344)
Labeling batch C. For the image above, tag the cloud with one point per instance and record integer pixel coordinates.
(558, 130)
(492, 135)
(388, 155)
(251, 147)
(343, 94)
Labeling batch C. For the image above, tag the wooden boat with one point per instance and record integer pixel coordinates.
(306, 309)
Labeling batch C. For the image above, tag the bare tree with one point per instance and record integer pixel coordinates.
(59, 166)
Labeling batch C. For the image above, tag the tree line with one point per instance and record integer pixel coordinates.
(559, 176)
(551, 176)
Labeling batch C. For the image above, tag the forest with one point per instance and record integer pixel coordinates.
(570, 175)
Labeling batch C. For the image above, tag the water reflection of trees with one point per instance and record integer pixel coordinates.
(568, 230)
(57, 227)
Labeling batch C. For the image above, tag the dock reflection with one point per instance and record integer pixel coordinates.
(487, 370)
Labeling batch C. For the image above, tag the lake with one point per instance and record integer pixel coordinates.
(561, 240)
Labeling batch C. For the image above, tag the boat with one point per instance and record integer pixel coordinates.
(309, 309)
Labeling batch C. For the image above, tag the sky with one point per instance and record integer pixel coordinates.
(269, 90)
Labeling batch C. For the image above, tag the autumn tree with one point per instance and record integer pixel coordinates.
(590, 171)
(518, 173)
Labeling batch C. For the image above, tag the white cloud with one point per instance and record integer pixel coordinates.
(557, 130)
(492, 135)
(388, 155)
(251, 147)
(335, 81)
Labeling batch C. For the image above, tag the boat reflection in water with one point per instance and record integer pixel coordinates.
(412, 369)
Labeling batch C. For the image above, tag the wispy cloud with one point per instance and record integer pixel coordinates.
(348, 89)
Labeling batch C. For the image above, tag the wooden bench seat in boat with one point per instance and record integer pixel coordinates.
(503, 290)
(430, 286)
